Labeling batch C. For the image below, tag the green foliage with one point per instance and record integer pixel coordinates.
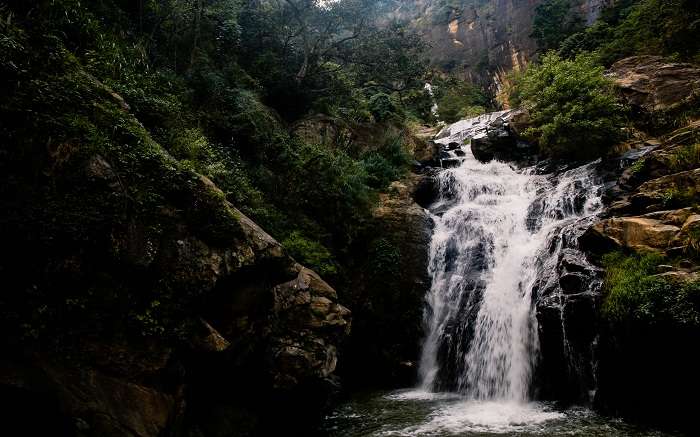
(685, 158)
(381, 107)
(554, 21)
(638, 166)
(675, 197)
(310, 253)
(572, 106)
(656, 27)
(384, 260)
(458, 99)
(387, 164)
(162, 94)
(633, 292)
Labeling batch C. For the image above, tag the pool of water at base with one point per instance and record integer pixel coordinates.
(420, 413)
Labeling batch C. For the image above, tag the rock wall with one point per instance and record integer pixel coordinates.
(480, 40)
(644, 368)
(137, 301)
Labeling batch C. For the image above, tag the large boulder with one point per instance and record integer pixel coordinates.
(161, 308)
(636, 233)
(500, 141)
(653, 84)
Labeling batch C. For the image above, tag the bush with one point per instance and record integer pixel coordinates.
(573, 109)
(381, 107)
(458, 99)
(311, 253)
(386, 164)
(634, 293)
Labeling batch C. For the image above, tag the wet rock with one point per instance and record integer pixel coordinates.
(497, 143)
(571, 262)
(426, 190)
(451, 162)
(573, 283)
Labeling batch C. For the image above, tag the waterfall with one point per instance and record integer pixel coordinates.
(434, 109)
(499, 232)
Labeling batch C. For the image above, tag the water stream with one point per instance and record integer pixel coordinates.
(499, 232)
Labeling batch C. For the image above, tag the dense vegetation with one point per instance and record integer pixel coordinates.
(630, 27)
(554, 21)
(457, 99)
(573, 109)
(635, 292)
(237, 91)
(572, 105)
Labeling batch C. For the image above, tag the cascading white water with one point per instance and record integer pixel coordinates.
(496, 229)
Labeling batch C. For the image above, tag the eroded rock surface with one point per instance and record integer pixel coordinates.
(653, 84)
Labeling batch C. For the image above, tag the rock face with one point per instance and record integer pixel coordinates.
(384, 348)
(172, 315)
(480, 41)
(652, 84)
(653, 209)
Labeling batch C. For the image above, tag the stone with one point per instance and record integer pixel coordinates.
(633, 233)
(572, 283)
(655, 84)
(663, 268)
(207, 339)
(655, 194)
(451, 162)
(86, 401)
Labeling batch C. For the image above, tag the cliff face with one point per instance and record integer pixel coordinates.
(480, 40)
(137, 301)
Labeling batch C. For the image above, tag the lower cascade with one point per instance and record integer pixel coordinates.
(503, 245)
(496, 230)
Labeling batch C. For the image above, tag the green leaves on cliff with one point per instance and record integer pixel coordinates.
(631, 27)
(554, 21)
(574, 112)
(634, 291)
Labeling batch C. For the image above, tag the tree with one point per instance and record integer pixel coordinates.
(554, 21)
(573, 109)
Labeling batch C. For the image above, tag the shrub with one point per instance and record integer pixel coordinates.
(572, 106)
(381, 107)
(386, 164)
(633, 292)
(311, 253)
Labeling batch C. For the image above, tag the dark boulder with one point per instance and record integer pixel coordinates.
(500, 142)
